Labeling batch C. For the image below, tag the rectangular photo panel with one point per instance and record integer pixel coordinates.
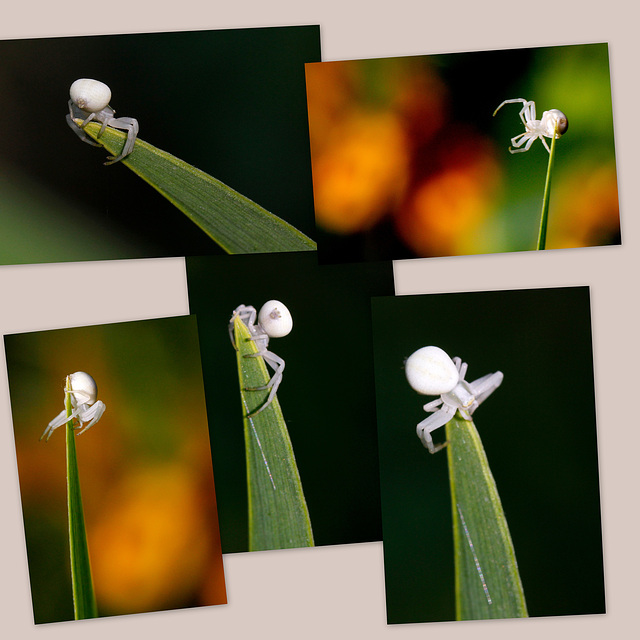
(115, 471)
(459, 154)
(488, 455)
(295, 452)
(216, 126)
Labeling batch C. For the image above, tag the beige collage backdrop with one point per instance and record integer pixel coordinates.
(339, 591)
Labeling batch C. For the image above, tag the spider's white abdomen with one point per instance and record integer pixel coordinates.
(90, 95)
(549, 121)
(431, 371)
(83, 387)
(275, 319)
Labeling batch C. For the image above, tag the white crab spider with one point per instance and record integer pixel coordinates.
(552, 121)
(87, 409)
(274, 321)
(432, 372)
(90, 101)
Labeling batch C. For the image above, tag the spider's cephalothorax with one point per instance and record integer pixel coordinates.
(87, 409)
(553, 122)
(432, 372)
(273, 321)
(89, 101)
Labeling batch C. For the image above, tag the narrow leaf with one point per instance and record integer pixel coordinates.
(487, 579)
(544, 215)
(236, 223)
(278, 514)
(84, 602)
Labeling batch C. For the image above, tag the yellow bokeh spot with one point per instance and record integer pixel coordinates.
(149, 550)
(585, 211)
(361, 172)
(448, 208)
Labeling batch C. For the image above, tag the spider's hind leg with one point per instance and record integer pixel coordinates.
(277, 364)
(130, 125)
(247, 315)
(92, 414)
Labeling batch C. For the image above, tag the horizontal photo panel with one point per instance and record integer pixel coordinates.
(204, 133)
(463, 153)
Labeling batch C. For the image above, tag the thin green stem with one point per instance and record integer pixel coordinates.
(84, 602)
(544, 216)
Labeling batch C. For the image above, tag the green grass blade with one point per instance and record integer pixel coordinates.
(278, 514)
(233, 221)
(544, 215)
(486, 572)
(84, 601)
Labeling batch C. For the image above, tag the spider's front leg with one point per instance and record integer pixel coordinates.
(460, 366)
(512, 101)
(248, 315)
(73, 115)
(528, 112)
(483, 387)
(433, 422)
(432, 406)
(59, 420)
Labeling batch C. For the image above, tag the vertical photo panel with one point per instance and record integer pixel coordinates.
(115, 469)
(503, 520)
(295, 446)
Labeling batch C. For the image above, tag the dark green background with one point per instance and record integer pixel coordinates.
(327, 393)
(538, 430)
(230, 102)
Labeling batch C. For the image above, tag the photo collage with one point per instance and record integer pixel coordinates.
(303, 402)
